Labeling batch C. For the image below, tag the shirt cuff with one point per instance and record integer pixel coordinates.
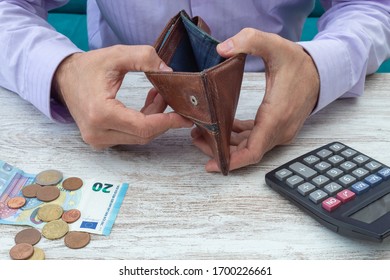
(40, 69)
(334, 66)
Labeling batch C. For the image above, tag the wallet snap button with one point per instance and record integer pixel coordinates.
(194, 101)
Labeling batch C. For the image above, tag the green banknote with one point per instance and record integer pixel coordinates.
(98, 201)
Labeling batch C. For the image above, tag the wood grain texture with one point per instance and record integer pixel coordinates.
(173, 208)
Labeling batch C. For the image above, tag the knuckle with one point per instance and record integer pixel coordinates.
(255, 158)
(89, 138)
(148, 53)
(94, 119)
(145, 136)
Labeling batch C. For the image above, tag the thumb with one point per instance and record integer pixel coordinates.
(140, 58)
(250, 41)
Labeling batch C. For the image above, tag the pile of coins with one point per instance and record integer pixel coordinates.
(57, 220)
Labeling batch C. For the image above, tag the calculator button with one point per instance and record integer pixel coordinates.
(334, 173)
(306, 188)
(347, 180)
(294, 181)
(283, 174)
(320, 181)
(384, 173)
(331, 204)
(373, 180)
(360, 159)
(332, 188)
(322, 167)
(303, 170)
(360, 187)
(360, 173)
(310, 160)
(348, 153)
(336, 160)
(373, 166)
(346, 195)
(347, 166)
(318, 196)
(336, 147)
(324, 153)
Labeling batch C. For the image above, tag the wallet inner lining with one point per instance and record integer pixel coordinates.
(196, 50)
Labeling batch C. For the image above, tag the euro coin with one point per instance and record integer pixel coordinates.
(48, 193)
(48, 177)
(30, 191)
(71, 216)
(16, 202)
(21, 251)
(77, 239)
(55, 229)
(72, 183)
(38, 255)
(29, 236)
(50, 212)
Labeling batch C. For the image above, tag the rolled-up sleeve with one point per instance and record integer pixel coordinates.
(31, 53)
(352, 42)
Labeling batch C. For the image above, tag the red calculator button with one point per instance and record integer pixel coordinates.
(345, 195)
(331, 204)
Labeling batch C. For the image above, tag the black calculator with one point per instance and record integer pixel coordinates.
(342, 188)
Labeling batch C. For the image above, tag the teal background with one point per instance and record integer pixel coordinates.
(71, 20)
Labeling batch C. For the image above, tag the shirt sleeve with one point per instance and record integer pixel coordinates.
(31, 51)
(352, 42)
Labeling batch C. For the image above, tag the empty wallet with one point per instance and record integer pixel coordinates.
(203, 86)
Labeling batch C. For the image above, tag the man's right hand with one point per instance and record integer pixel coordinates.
(87, 83)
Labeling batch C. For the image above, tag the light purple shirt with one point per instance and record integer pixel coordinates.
(353, 38)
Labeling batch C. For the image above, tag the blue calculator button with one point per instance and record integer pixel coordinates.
(384, 173)
(373, 180)
(360, 187)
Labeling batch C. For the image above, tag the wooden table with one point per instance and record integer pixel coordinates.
(173, 208)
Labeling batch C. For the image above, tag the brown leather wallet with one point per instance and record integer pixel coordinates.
(203, 86)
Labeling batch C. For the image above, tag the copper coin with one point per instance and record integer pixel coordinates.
(29, 236)
(72, 183)
(48, 193)
(55, 229)
(50, 212)
(38, 254)
(71, 216)
(48, 177)
(77, 239)
(30, 191)
(16, 202)
(21, 251)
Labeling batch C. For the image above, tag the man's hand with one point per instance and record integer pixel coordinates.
(292, 89)
(88, 83)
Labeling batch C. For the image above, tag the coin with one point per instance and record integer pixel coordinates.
(16, 202)
(72, 183)
(48, 193)
(30, 191)
(50, 212)
(48, 177)
(29, 236)
(55, 229)
(71, 216)
(21, 251)
(38, 254)
(77, 239)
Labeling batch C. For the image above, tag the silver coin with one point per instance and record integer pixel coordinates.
(48, 177)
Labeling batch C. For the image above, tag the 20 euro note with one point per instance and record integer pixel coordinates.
(98, 201)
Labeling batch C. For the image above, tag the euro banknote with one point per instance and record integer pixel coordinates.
(99, 201)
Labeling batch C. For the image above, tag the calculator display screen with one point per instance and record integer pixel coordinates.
(373, 211)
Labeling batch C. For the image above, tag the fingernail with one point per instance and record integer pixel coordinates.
(164, 67)
(226, 46)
